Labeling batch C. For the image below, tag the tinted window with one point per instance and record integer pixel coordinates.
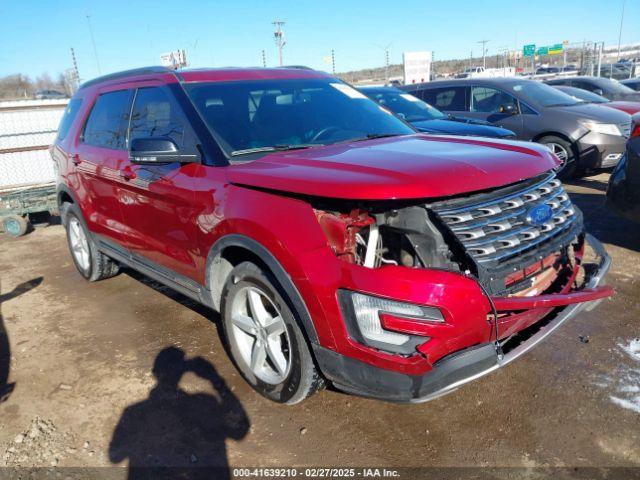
(107, 121)
(68, 117)
(448, 98)
(289, 113)
(489, 100)
(156, 115)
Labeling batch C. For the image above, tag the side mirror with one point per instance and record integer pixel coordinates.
(598, 91)
(157, 150)
(508, 109)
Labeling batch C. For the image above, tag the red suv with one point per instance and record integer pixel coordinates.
(336, 242)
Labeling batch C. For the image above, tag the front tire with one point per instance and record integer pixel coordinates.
(263, 337)
(565, 151)
(92, 264)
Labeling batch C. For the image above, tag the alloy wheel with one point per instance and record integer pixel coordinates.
(260, 335)
(79, 244)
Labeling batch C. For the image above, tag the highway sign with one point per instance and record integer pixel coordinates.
(555, 49)
(543, 50)
(529, 50)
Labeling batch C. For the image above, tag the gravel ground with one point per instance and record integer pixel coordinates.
(127, 372)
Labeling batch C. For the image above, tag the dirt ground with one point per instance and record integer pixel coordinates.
(127, 372)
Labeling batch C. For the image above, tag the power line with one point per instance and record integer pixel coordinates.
(93, 41)
(620, 32)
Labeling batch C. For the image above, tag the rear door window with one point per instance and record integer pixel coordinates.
(107, 123)
(446, 98)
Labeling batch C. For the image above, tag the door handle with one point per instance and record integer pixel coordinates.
(127, 173)
(75, 159)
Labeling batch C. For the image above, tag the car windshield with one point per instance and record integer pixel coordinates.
(543, 95)
(612, 87)
(584, 95)
(410, 108)
(279, 114)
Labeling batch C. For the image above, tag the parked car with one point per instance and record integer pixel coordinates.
(582, 136)
(632, 83)
(606, 87)
(589, 97)
(336, 242)
(428, 119)
(623, 191)
(49, 95)
(547, 70)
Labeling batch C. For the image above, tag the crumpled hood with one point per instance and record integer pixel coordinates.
(455, 127)
(413, 166)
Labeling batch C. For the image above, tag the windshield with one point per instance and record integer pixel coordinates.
(261, 115)
(412, 109)
(543, 95)
(584, 95)
(611, 86)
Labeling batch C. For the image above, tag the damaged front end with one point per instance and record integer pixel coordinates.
(524, 248)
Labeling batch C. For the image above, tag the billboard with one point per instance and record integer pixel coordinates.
(417, 67)
(175, 59)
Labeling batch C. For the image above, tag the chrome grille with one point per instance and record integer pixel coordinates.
(625, 128)
(499, 228)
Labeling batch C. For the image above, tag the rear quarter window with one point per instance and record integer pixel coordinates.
(446, 98)
(70, 114)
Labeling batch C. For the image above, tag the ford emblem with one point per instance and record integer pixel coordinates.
(539, 214)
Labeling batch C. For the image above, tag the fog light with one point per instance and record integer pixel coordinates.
(365, 311)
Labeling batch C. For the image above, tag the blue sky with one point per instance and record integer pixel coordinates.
(36, 35)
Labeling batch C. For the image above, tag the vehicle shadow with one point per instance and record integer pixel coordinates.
(173, 295)
(5, 346)
(177, 434)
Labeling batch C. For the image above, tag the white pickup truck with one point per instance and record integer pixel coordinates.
(482, 72)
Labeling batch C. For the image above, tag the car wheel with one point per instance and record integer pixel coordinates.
(263, 337)
(92, 264)
(15, 225)
(565, 153)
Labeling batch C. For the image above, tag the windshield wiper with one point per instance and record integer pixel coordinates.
(274, 148)
(371, 136)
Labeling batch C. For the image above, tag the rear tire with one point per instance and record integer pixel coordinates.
(15, 225)
(565, 151)
(264, 338)
(92, 264)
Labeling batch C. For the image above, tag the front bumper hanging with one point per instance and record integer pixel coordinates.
(456, 369)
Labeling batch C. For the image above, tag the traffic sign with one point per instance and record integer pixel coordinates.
(529, 50)
(555, 49)
(543, 51)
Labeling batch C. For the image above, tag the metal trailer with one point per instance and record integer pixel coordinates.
(18, 204)
(27, 128)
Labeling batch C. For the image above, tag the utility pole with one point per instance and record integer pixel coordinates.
(620, 32)
(333, 62)
(278, 35)
(386, 65)
(264, 59)
(93, 41)
(484, 51)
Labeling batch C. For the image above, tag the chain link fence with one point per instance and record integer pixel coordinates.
(27, 129)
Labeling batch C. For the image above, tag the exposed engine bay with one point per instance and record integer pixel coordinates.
(490, 235)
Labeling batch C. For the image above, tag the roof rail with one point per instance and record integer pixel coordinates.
(127, 73)
(300, 67)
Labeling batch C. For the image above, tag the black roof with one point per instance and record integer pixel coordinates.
(467, 81)
(127, 73)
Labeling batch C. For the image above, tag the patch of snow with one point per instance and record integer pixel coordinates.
(626, 380)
